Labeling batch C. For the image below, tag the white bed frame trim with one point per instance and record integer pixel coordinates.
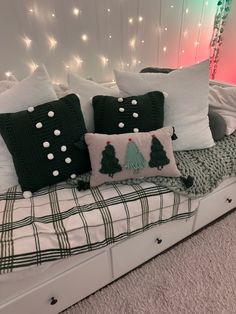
(91, 271)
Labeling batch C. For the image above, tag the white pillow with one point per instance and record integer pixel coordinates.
(87, 89)
(223, 101)
(32, 91)
(6, 84)
(186, 107)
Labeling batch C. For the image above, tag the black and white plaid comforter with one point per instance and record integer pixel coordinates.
(60, 221)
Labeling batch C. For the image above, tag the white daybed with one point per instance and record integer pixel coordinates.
(53, 286)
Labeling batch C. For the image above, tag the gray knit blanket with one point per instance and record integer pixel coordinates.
(208, 167)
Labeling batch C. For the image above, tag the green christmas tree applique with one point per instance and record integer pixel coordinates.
(134, 158)
(158, 158)
(110, 164)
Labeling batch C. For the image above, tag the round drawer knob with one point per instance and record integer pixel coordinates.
(53, 301)
(158, 240)
(229, 200)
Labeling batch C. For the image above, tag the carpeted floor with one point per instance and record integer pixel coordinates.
(197, 276)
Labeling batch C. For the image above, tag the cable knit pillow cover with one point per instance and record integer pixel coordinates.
(31, 91)
(86, 90)
(46, 142)
(223, 101)
(124, 156)
(132, 114)
(186, 106)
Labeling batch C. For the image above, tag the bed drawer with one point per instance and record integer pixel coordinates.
(215, 205)
(59, 293)
(129, 254)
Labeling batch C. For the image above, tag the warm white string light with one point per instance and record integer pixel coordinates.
(33, 66)
(8, 74)
(84, 37)
(52, 42)
(27, 41)
(76, 11)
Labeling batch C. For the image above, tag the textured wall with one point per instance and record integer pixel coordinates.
(124, 34)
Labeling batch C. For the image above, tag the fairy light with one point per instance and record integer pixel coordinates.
(206, 3)
(139, 61)
(67, 66)
(31, 10)
(142, 41)
(78, 60)
(172, 6)
(140, 18)
(53, 15)
(110, 37)
(104, 60)
(182, 51)
(108, 10)
(84, 37)
(131, 20)
(196, 43)
(52, 42)
(164, 49)
(199, 24)
(132, 43)
(8, 74)
(127, 64)
(76, 11)
(33, 66)
(165, 28)
(187, 10)
(27, 41)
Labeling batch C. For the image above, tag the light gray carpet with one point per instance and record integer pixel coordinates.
(196, 276)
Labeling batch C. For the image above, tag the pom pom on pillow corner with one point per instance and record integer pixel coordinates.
(131, 155)
(186, 106)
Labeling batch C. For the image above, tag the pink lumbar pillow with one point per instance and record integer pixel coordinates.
(131, 155)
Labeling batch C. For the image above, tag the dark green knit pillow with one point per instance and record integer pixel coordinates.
(131, 114)
(46, 142)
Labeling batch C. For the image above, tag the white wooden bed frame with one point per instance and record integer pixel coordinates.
(89, 272)
(71, 280)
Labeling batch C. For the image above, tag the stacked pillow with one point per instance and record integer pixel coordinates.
(186, 106)
(46, 142)
(32, 91)
(45, 136)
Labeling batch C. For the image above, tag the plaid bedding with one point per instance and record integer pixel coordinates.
(60, 221)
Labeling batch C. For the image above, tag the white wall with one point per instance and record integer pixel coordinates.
(171, 33)
(226, 70)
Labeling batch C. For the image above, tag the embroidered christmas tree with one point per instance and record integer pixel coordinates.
(134, 158)
(110, 164)
(158, 158)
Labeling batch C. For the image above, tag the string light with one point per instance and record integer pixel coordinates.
(84, 37)
(108, 10)
(31, 10)
(164, 49)
(110, 37)
(130, 20)
(140, 18)
(132, 43)
(187, 10)
(183, 51)
(52, 42)
(165, 28)
(142, 41)
(33, 66)
(76, 11)
(53, 15)
(199, 24)
(27, 41)
(78, 60)
(104, 60)
(8, 74)
(139, 61)
(196, 43)
(172, 6)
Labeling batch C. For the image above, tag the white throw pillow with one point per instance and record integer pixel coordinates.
(86, 90)
(186, 107)
(32, 91)
(223, 101)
